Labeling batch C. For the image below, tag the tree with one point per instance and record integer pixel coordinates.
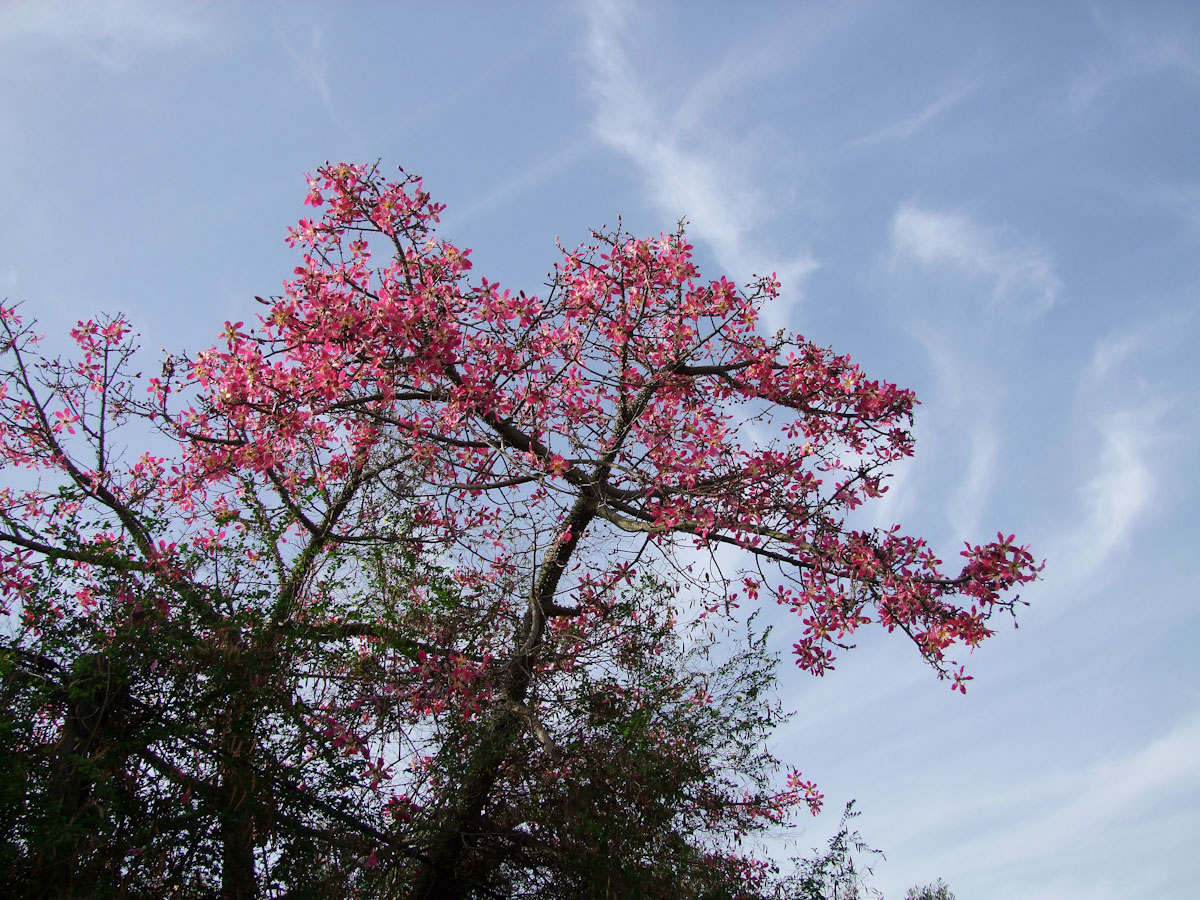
(833, 874)
(937, 891)
(397, 610)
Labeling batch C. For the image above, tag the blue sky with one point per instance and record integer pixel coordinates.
(997, 205)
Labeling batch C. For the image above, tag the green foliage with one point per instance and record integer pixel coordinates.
(938, 891)
(835, 873)
(135, 744)
(401, 617)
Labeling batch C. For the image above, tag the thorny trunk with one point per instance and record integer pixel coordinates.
(90, 727)
(447, 874)
(237, 787)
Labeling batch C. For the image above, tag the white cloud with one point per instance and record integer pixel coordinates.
(113, 33)
(1071, 819)
(1021, 274)
(306, 47)
(1178, 200)
(908, 127)
(1138, 425)
(1120, 491)
(1111, 353)
(970, 499)
(540, 171)
(1143, 44)
(688, 169)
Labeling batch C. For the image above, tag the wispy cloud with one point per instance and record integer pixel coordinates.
(1020, 273)
(970, 498)
(970, 337)
(1111, 353)
(688, 170)
(1143, 42)
(1044, 835)
(1119, 492)
(1067, 819)
(113, 33)
(908, 127)
(1130, 392)
(305, 44)
(1178, 200)
(526, 180)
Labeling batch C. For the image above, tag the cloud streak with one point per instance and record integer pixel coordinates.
(1070, 818)
(307, 49)
(520, 183)
(686, 174)
(909, 127)
(1143, 46)
(1021, 274)
(113, 33)
(1137, 426)
(1117, 496)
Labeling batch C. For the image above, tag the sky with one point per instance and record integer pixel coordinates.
(994, 204)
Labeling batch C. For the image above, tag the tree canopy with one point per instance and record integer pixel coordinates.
(402, 591)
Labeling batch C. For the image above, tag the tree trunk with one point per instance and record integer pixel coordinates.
(237, 783)
(447, 874)
(89, 727)
(237, 854)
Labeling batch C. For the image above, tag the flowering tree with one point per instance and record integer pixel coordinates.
(386, 592)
